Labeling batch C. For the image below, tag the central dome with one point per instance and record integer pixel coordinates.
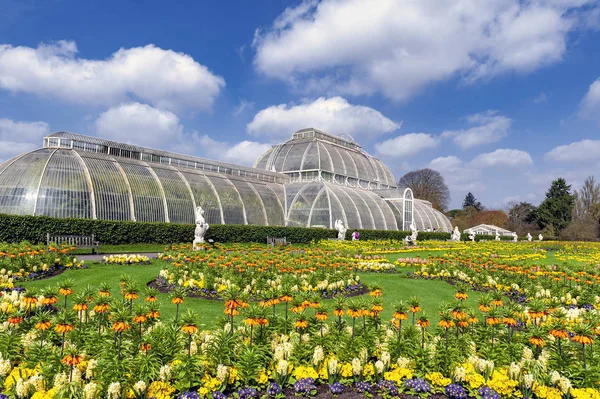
(312, 154)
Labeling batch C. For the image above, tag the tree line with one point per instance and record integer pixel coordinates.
(564, 213)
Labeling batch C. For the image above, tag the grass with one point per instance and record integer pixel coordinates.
(395, 287)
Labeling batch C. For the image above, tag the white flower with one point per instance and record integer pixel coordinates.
(222, 372)
(22, 388)
(386, 358)
(528, 380)
(4, 367)
(403, 362)
(356, 366)
(139, 387)
(565, 385)
(90, 390)
(318, 355)
(514, 371)
(460, 374)
(282, 367)
(527, 353)
(113, 391)
(165, 373)
(379, 366)
(89, 371)
(332, 366)
(60, 379)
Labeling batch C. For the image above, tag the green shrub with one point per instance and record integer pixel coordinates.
(14, 228)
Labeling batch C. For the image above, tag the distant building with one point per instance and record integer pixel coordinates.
(488, 229)
(311, 180)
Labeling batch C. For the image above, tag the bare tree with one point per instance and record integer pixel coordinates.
(587, 200)
(429, 185)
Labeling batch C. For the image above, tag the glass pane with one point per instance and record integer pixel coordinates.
(147, 195)
(19, 183)
(255, 213)
(110, 189)
(299, 210)
(311, 157)
(64, 192)
(273, 207)
(294, 157)
(320, 211)
(352, 215)
(325, 158)
(205, 197)
(233, 210)
(179, 200)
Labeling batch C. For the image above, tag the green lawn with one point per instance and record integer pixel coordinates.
(395, 287)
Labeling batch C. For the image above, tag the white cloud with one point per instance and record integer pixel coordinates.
(333, 115)
(406, 145)
(144, 125)
(19, 137)
(243, 153)
(243, 107)
(361, 47)
(459, 176)
(140, 124)
(489, 128)
(579, 151)
(590, 105)
(165, 78)
(503, 157)
(541, 98)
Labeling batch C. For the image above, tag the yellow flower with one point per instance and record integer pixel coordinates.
(544, 392)
(203, 392)
(475, 380)
(301, 372)
(398, 374)
(346, 370)
(368, 370)
(437, 379)
(263, 378)
(160, 390)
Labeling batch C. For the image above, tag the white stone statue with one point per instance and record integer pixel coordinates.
(497, 238)
(472, 237)
(515, 237)
(201, 228)
(339, 226)
(529, 237)
(412, 238)
(541, 237)
(455, 234)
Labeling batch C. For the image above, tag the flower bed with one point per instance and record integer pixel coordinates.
(126, 259)
(19, 262)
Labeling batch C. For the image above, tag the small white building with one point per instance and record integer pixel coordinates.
(488, 229)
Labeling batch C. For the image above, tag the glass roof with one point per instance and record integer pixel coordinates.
(314, 150)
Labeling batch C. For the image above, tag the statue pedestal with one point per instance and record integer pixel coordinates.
(197, 245)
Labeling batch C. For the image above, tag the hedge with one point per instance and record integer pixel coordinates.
(14, 228)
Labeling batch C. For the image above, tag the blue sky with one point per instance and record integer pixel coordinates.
(500, 96)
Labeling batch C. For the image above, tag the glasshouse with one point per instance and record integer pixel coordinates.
(311, 180)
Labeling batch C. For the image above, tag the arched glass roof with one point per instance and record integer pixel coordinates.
(314, 150)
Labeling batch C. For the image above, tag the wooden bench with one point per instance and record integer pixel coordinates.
(276, 241)
(83, 242)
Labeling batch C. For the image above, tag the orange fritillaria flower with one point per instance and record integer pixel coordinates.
(15, 320)
(140, 318)
(301, 324)
(43, 325)
(71, 360)
(556, 333)
(400, 315)
(583, 339)
(177, 300)
(446, 323)
(65, 291)
(120, 326)
(101, 308)
(338, 312)
(63, 328)
(423, 324)
(376, 293)
(461, 296)
(537, 341)
(321, 316)
(49, 300)
(151, 298)
(80, 307)
(189, 329)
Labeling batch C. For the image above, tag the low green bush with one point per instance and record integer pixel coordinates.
(14, 228)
